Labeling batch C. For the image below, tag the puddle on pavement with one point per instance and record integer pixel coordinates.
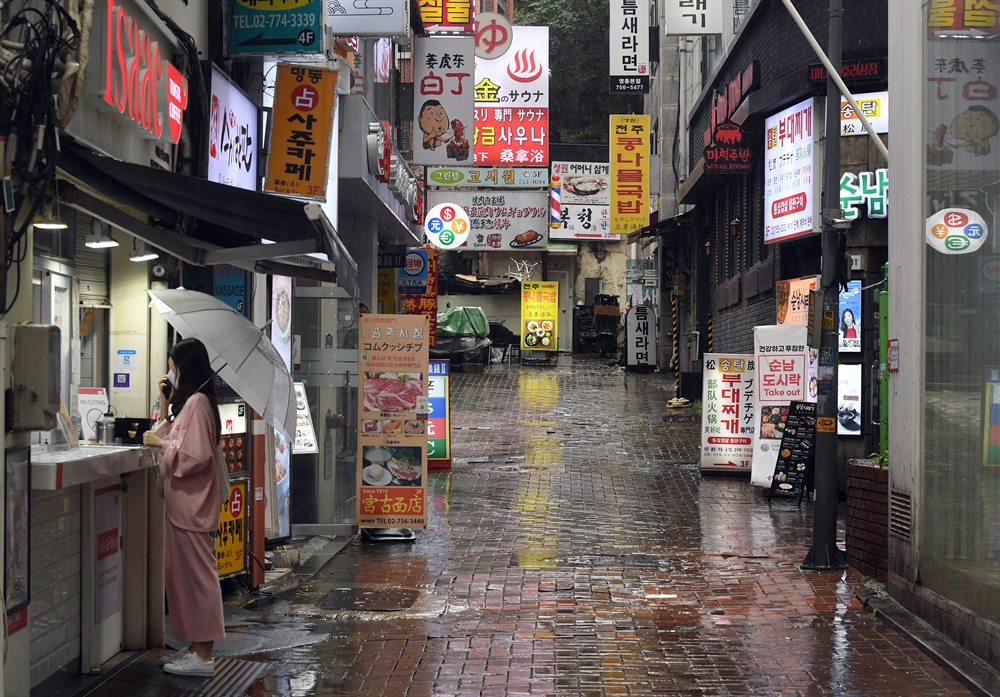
(370, 599)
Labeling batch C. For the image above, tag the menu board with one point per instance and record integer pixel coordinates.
(305, 434)
(393, 367)
(793, 470)
(439, 418)
(539, 315)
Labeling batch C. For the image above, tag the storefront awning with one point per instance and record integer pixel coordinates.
(295, 227)
(666, 226)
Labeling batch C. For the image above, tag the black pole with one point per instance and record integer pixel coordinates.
(824, 553)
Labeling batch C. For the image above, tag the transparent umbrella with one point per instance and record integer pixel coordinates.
(243, 356)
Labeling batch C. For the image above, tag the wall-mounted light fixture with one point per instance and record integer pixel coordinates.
(734, 226)
(49, 217)
(708, 246)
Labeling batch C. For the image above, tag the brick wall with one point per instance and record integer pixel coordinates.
(868, 519)
(732, 329)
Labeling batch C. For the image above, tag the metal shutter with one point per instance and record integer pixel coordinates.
(91, 264)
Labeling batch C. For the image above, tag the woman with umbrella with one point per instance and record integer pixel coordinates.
(192, 500)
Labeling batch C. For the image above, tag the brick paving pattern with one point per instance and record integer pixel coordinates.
(574, 549)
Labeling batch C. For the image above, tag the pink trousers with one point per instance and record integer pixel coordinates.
(194, 596)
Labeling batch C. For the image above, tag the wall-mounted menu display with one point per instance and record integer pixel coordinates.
(305, 434)
(235, 442)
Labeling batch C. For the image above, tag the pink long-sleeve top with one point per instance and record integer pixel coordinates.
(191, 487)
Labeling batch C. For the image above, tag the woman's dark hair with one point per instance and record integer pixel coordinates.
(843, 322)
(196, 376)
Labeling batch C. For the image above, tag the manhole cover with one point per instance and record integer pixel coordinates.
(682, 418)
(370, 599)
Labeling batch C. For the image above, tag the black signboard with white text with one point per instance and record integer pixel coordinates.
(793, 471)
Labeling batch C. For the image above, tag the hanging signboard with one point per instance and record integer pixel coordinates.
(493, 34)
(392, 435)
(693, 17)
(629, 49)
(281, 337)
(796, 451)
(728, 152)
(792, 175)
(447, 16)
(849, 331)
(539, 316)
(444, 99)
(439, 416)
(792, 297)
(956, 231)
(276, 27)
(489, 177)
(412, 277)
(232, 134)
(728, 412)
(512, 102)
(630, 142)
(782, 359)
(585, 189)
(301, 125)
(374, 18)
(231, 537)
(875, 107)
(870, 187)
(305, 433)
(500, 221)
(425, 303)
(966, 18)
(640, 336)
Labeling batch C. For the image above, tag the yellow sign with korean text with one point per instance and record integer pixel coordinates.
(231, 537)
(539, 315)
(301, 126)
(630, 145)
(393, 375)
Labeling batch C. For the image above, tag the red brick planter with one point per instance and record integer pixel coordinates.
(868, 518)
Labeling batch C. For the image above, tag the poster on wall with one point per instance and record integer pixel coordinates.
(849, 400)
(849, 331)
(393, 371)
(439, 416)
(444, 100)
(281, 337)
(539, 315)
(782, 378)
(728, 412)
(792, 177)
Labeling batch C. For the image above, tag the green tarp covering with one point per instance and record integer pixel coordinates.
(463, 321)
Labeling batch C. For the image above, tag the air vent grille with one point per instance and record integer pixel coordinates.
(900, 514)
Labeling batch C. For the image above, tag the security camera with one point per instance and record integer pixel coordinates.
(841, 223)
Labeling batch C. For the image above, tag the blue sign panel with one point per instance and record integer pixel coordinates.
(412, 278)
(231, 287)
(276, 27)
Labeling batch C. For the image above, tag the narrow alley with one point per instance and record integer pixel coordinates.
(574, 549)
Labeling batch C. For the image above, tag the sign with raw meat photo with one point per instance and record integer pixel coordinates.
(393, 373)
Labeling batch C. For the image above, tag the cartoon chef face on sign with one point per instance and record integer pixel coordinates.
(975, 126)
(433, 121)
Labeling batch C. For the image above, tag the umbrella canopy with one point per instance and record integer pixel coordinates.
(243, 356)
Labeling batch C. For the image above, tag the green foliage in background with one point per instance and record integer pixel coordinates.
(579, 101)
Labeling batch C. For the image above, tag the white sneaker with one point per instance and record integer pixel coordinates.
(172, 657)
(192, 665)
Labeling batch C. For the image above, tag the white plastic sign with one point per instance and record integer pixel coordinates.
(447, 226)
(956, 231)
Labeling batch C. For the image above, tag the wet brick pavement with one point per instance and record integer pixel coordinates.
(574, 549)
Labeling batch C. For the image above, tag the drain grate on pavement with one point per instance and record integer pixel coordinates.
(369, 599)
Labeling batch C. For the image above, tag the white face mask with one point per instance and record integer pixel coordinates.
(172, 378)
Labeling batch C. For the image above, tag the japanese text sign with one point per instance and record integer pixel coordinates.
(447, 16)
(438, 417)
(630, 143)
(790, 176)
(393, 372)
(693, 17)
(629, 49)
(444, 99)
(729, 412)
(539, 315)
(640, 336)
(301, 126)
(276, 27)
(512, 102)
(502, 220)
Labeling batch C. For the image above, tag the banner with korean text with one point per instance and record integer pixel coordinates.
(539, 316)
(301, 126)
(393, 372)
(630, 141)
(512, 102)
(586, 201)
(728, 412)
(444, 99)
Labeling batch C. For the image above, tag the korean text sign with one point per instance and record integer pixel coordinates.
(231, 537)
(276, 27)
(512, 102)
(393, 371)
(232, 135)
(444, 99)
(792, 298)
(489, 177)
(790, 173)
(425, 303)
(447, 16)
(782, 358)
(640, 336)
(439, 418)
(693, 17)
(586, 201)
(729, 412)
(301, 126)
(501, 220)
(539, 315)
(630, 141)
(629, 49)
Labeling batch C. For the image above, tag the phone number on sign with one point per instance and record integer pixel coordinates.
(272, 20)
(415, 522)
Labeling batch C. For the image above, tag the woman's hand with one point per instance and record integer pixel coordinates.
(166, 392)
(151, 440)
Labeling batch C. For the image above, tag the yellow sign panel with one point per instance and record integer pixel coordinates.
(231, 537)
(539, 316)
(387, 291)
(301, 126)
(826, 424)
(630, 139)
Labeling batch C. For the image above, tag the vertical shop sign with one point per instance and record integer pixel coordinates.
(439, 416)
(301, 126)
(231, 286)
(512, 102)
(693, 17)
(849, 402)
(447, 16)
(281, 337)
(425, 303)
(849, 329)
(393, 367)
(412, 277)
(969, 18)
(305, 433)
(629, 172)
(232, 135)
(231, 537)
(991, 418)
(629, 34)
(539, 315)
(792, 299)
(782, 372)
(444, 99)
(276, 27)
(728, 412)
(791, 176)
(640, 335)
(107, 566)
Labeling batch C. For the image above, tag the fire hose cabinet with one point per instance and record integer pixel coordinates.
(34, 399)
